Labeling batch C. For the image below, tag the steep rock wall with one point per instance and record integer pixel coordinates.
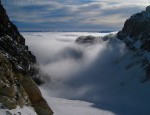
(136, 35)
(17, 66)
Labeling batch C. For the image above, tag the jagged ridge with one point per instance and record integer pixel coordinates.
(13, 45)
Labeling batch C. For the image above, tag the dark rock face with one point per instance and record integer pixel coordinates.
(11, 92)
(18, 70)
(136, 28)
(13, 45)
(148, 8)
(136, 35)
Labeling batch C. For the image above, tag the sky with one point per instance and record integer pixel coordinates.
(72, 15)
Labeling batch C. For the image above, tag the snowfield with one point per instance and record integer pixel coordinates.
(72, 107)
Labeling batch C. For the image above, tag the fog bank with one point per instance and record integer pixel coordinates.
(105, 73)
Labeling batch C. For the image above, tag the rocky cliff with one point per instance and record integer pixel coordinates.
(17, 66)
(136, 35)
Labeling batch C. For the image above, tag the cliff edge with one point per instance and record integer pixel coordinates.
(136, 35)
(17, 66)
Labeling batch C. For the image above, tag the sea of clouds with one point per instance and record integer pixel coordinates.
(105, 73)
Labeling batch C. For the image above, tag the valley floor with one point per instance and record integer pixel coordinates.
(62, 106)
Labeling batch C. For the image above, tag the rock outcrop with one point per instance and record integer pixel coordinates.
(17, 66)
(86, 40)
(136, 35)
(13, 45)
(11, 91)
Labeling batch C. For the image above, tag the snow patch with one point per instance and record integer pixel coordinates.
(18, 111)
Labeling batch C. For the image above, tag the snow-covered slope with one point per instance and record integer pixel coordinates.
(18, 111)
(106, 74)
(62, 106)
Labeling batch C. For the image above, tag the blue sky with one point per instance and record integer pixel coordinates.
(72, 15)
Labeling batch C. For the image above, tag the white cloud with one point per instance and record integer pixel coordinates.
(99, 75)
(99, 12)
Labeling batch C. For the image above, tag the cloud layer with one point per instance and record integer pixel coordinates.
(70, 15)
(105, 73)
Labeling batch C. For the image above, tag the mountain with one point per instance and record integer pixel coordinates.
(136, 35)
(18, 70)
